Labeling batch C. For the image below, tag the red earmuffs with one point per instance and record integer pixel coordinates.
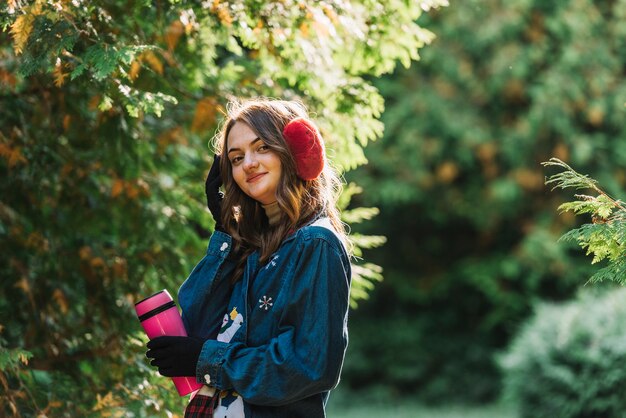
(307, 146)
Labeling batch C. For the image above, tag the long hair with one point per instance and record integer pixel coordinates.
(299, 201)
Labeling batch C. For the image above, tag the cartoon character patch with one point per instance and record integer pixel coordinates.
(230, 325)
(230, 405)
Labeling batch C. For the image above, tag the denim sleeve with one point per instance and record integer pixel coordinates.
(203, 297)
(306, 354)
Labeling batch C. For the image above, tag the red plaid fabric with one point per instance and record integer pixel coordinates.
(202, 406)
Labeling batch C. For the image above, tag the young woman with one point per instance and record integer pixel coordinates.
(266, 308)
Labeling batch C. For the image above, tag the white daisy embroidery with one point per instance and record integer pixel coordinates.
(265, 303)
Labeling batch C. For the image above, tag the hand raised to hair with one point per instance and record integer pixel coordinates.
(213, 195)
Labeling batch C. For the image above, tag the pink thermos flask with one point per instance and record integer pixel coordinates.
(159, 316)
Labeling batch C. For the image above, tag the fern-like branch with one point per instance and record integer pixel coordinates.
(570, 178)
(605, 237)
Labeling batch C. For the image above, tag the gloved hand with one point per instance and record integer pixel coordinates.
(213, 195)
(175, 356)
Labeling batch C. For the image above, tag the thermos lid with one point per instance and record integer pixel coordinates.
(153, 302)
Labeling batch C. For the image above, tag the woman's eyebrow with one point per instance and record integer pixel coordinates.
(238, 149)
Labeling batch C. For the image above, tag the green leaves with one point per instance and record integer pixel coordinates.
(568, 178)
(572, 353)
(364, 274)
(102, 60)
(601, 206)
(11, 359)
(601, 240)
(107, 111)
(364, 277)
(145, 102)
(13, 365)
(605, 237)
(472, 229)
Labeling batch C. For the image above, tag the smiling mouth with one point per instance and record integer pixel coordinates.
(255, 178)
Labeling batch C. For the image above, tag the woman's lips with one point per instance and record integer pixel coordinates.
(254, 178)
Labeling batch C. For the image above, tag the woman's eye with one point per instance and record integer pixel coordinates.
(264, 148)
(235, 160)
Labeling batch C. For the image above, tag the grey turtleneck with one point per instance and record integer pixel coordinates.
(273, 212)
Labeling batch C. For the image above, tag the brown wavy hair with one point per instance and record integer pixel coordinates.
(300, 201)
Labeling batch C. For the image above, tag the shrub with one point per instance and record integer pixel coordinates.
(568, 360)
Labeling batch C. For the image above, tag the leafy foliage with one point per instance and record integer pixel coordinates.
(107, 108)
(472, 230)
(364, 275)
(567, 360)
(605, 238)
(12, 362)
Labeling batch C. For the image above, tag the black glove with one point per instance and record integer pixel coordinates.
(175, 356)
(213, 195)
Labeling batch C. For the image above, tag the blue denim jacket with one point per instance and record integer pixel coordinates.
(288, 353)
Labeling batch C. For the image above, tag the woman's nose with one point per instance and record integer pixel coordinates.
(250, 162)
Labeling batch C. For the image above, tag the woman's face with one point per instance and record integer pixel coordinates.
(256, 169)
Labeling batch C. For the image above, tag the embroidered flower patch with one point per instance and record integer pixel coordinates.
(265, 303)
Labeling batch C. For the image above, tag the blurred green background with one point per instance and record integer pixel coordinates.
(472, 229)
(439, 115)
